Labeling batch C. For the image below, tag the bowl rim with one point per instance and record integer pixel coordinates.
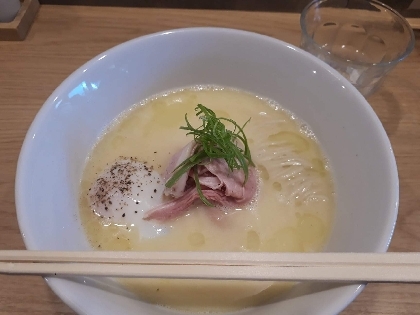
(59, 287)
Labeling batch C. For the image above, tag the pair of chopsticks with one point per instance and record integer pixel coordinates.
(340, 267)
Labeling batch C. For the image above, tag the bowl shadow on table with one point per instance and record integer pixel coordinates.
(390, 113)
(406, 236)
(291, 292)
(385, 102)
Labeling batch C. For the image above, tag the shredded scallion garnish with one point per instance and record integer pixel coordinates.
(214, 141)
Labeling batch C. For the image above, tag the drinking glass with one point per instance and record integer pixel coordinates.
(363, 40)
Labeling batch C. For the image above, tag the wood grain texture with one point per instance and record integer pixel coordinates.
(247, 5)
(63, 38)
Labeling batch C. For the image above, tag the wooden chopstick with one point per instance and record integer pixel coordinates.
(208, 258)
(341, 267)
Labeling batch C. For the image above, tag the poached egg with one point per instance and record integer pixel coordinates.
(125, 191)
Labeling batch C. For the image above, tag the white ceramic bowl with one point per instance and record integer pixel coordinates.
(63, 132)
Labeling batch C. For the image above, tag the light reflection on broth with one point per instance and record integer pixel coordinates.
(293, 211)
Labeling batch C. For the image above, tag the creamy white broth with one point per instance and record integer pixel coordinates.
(293, 210)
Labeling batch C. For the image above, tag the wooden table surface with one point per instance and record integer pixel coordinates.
(63, 38)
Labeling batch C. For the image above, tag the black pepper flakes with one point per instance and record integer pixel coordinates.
(118, 178)
(123, 215)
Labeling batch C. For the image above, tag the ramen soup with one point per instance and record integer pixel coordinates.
(284, 202)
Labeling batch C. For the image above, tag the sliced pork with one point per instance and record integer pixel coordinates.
(232, 182)
(177, 207)
(178, 189)
(219, 185)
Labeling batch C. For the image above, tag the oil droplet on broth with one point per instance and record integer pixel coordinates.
(252, 241)
(318, 166)
(222, 113)
(196, 239)
(263, 172)
(273, 225)
(277, 186)
(284, 240)
(298, 142)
